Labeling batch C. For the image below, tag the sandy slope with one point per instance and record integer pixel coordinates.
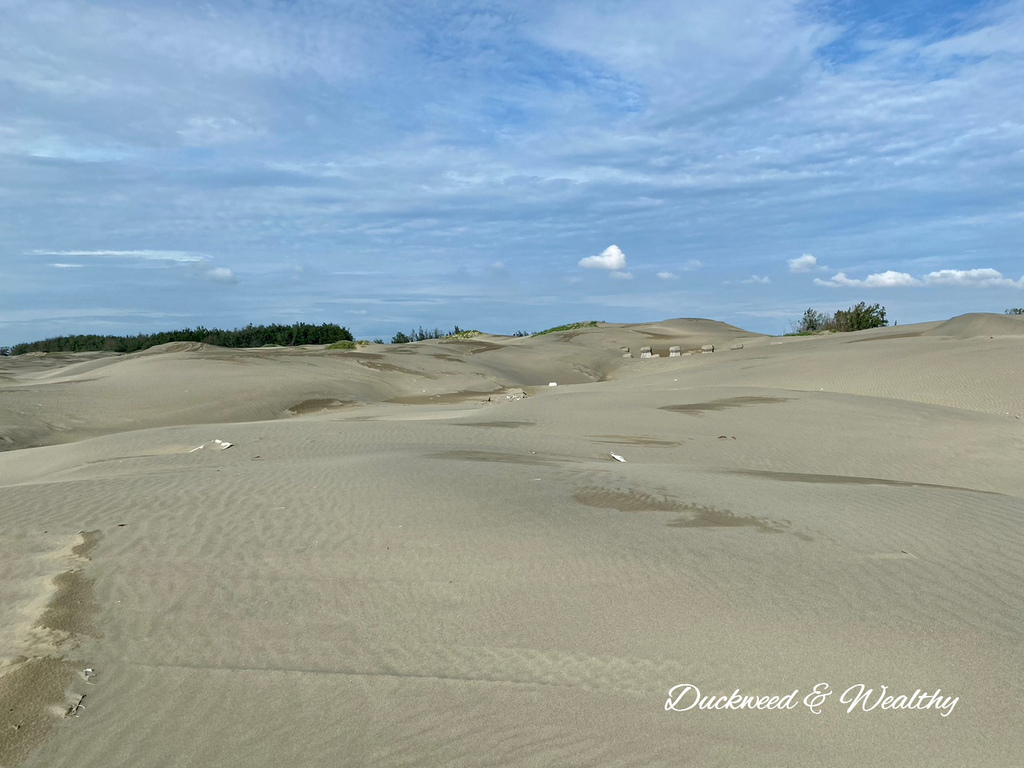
(445, 580)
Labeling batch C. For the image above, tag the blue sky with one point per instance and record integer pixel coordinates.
(505, 165)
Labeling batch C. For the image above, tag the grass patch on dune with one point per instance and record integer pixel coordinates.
(568, 327)
(461, 336)
(343, 345)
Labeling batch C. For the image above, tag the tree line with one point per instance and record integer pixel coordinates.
(250, 336)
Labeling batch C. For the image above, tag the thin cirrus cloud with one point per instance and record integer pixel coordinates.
(198, 261)
(180, 257)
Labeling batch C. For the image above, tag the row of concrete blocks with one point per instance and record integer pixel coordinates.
(646, 352)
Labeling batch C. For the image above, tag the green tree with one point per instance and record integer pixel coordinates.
(813, 321)
(860, 317)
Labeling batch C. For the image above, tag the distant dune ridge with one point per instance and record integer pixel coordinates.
(190, 382)
(361, 579)
(979, 324)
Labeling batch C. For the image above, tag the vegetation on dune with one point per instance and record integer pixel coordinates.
(343, 344)
(461, 335)
(856, 318)
(422, 335)
(250, 336)
(1015, 311)
(569, 327)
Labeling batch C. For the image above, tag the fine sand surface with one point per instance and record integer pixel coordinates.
(402, 561)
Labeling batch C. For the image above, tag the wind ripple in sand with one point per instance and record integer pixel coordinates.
(805, 477)
(696, 409)
(505, 458)
(501, 424)
(472, 664)
(699, 516)
(634, 440)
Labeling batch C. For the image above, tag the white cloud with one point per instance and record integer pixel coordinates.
(611, 257)
(145, 255)
(60, 265)
(499, 265)
(667, 276)
(803, 263)
(888, 279)
(974, 278)
(220, 275)
(621, 275)
(212, 131)
(758, 279)
(651, 41)
(693, 264)
(978, 278)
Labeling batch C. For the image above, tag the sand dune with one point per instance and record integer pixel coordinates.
(403, 561)
(978, 324)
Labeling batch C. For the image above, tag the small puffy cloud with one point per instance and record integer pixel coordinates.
(499, 265)
(804, 263)
(888, 279)
(60, 265)
(693, 264)
(220, 275)
(977, 278)
(611, 257)
(758, 279)
(621, 275)
(667, 276)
